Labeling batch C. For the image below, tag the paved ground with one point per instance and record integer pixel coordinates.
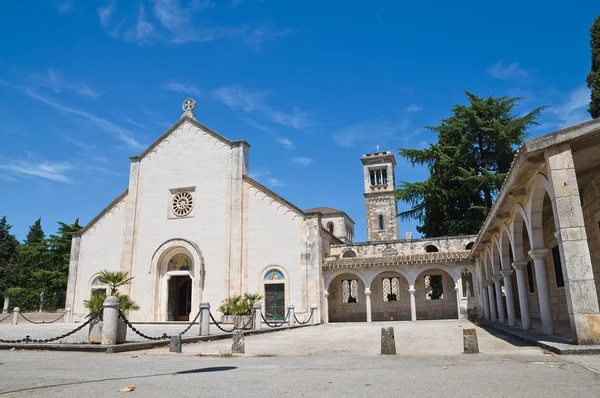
(328, 360)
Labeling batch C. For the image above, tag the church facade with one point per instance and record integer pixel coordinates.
(194, 227)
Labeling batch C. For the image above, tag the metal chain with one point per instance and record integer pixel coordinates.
(249, 320)
(41, 322)
(29, 340)
(276, 325)
(163, 337)
(192, 323)
(6, 317)
(312, 311)
(219, 326)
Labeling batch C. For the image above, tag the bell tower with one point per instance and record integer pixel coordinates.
(380, 202)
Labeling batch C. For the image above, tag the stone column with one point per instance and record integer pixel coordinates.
(543, 290)
(313, 312)
(413, 304)
(325, 309)
(368, 303)
(486, 303)
(580, 288)
(291, 320)
(5, 307)
(257, 316)
(522, 285)
(492, 301)
(204, 319)
(499, 303)
(510, 298)
(110, 320)
(16, 313)
(457, 299)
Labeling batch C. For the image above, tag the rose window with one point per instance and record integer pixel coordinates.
(182, 204)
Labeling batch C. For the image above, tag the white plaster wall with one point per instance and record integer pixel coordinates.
(100, 249)
(189, 157)
(273, 238)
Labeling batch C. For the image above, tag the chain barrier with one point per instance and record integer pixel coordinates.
(27, 338)
(312, 311)
(130, 326)
(42, 322)
(219, 326)
(192, 323)
(249, 321)
(276, 325)
(6, 317)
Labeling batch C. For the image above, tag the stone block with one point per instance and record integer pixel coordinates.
(239, 345)
(388, 341)
(471, 346)
(175, 343)
(587, 329)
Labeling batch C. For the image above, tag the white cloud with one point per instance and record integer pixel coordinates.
(274, 182)
(287, 144)
(182, 88)
(65, 6)
(237, 98)
(54, 81)
(106, 13)
(414, 108)
(55, 171)
(270, 180)
(507, 72)
(134, 123)
(361, 132)
(573, 110)
(302, 161)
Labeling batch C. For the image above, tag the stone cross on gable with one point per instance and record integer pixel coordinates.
(377, 148)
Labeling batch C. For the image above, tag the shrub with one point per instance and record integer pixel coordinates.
(240, 305)
(24, 298)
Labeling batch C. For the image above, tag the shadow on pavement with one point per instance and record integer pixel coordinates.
(183, 372)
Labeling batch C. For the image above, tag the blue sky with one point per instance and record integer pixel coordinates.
(311, 85)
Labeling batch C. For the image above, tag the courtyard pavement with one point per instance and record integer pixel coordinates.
(321, 361)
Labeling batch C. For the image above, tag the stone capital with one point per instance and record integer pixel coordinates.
(456, 289)
(412, 290)
(519, 265)
(497, 278)
(368, 292)
(538, 254)
(326, 294)
(507, 273)
(490, 282)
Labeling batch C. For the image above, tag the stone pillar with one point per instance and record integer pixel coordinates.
(470, 344)
(543, 290)
(486, 303)
(368, 303)
(110, 320)
(204, 319)
(325, 308)
(175, 343)
(5, 307)
(580, 288)
(413, 304)
(257, 316)
(239, 345)
(492, 301)
(510, 298)
(388, 341)
(522, 285)
(291, 315)
(16, 313)
(67, 315)
(313, 312)
(499, 303)
(73, 271)
(457, 299)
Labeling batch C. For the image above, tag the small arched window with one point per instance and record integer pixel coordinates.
(349, 254)
(469, 246)
(330, 226)
(431, 249)
(380, 221)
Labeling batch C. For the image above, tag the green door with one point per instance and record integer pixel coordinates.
(274, 301)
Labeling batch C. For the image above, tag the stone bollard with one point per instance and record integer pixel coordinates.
(5, 307)
(239, 345)
(470, 341)
(110, 320)
(204, 319)
(291, 319)
(175, 343)
(313, 312)
(67, 318)
(388, 341)
(16, 312)
(257, 316)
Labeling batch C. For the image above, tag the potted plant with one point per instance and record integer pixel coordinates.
(240, 307)
(95, 304)
(225, 310)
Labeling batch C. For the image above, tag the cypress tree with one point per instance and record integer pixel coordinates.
(593, 78)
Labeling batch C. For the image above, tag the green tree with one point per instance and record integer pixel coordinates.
(593, 78)
(467, 165)
(9, 251)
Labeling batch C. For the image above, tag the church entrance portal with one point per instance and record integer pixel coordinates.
(180, 298)
(275, 301)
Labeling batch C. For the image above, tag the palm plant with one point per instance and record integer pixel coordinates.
(114, 279)
(240, 305)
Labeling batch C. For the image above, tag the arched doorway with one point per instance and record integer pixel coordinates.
(274, 295)
(179, 299)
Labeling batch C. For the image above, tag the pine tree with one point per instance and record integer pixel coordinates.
(467, 165)
(593, 78)
(9, 251)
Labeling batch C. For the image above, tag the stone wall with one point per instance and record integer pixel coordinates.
(343, 227)
(346, 312)
(591, 212)
(383, 204)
